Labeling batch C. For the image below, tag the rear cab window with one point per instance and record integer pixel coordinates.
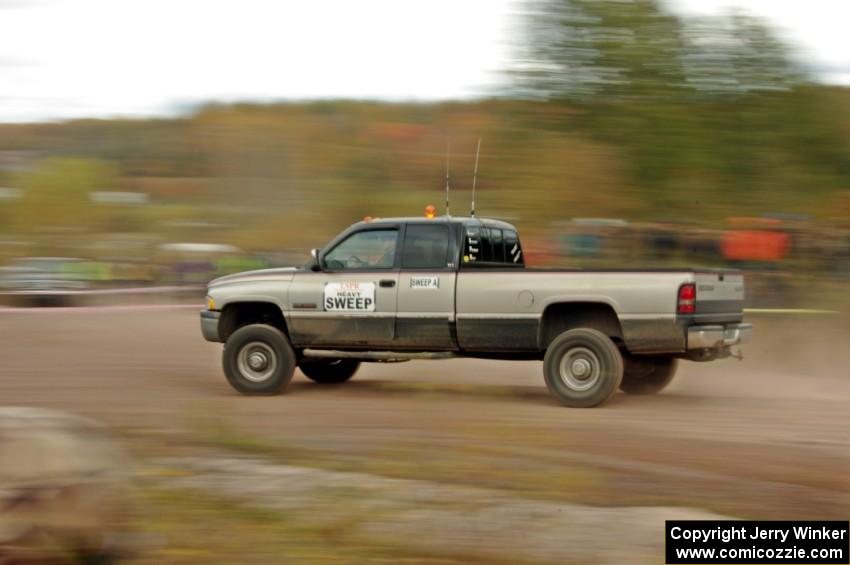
(492, 247)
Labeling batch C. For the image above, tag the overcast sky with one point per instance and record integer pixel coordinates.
(72, 58)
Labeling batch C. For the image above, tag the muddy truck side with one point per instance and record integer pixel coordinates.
(399, 289)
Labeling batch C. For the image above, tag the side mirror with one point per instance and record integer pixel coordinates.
(316, 264)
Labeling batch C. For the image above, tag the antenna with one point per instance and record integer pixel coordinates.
(474, 177)
(448, 151)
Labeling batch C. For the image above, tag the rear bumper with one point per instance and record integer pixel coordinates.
(712, 337)
(209, 324)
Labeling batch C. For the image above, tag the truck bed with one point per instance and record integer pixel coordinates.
(492, 303)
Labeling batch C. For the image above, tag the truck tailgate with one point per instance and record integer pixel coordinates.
(719, 297)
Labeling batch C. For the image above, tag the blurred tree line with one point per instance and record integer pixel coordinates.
(612, 108)
(711, 110)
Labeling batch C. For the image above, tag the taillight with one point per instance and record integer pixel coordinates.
(687, 299)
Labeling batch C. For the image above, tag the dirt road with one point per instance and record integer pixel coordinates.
(767, 437)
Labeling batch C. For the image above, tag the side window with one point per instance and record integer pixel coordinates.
(498, 246)
(478, 247)
(472, 245)
(486, 246)
(491, 247)
(369, 249)
(513, 251)
(426, 246)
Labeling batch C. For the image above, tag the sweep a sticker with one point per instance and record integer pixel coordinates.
(425, 282)
(350, 296)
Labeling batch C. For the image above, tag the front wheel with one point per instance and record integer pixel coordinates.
(647, 374)
(329, 371)
(582, 368)
(258, 359)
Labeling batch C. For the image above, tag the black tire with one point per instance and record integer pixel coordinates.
(647, 374)
(329, 371)
(258, 359)
(586, 350)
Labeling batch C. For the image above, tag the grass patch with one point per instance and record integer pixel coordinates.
(191, 527)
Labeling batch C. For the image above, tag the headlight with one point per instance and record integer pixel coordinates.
(210, 303)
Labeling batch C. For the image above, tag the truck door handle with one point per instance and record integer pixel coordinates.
(387, 283)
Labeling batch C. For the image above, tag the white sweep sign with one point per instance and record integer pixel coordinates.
(350, 296)
(425, 283)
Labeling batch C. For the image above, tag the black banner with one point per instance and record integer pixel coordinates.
(694, 542)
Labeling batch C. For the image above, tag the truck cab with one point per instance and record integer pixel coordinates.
(392, 282)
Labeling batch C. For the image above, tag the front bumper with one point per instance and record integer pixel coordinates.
(713, 337)
(209, 324)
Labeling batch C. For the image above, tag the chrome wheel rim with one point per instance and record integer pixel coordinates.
(580, 369)
(257, 361)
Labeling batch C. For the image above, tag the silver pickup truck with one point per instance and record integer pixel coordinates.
(397, 289)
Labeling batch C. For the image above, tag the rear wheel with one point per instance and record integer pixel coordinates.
(329, 371)
(258, 359)
(647, 374)
(582, 368)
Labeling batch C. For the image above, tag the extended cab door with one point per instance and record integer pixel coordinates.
(426, 293)
(351, 302)
(495, 310)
